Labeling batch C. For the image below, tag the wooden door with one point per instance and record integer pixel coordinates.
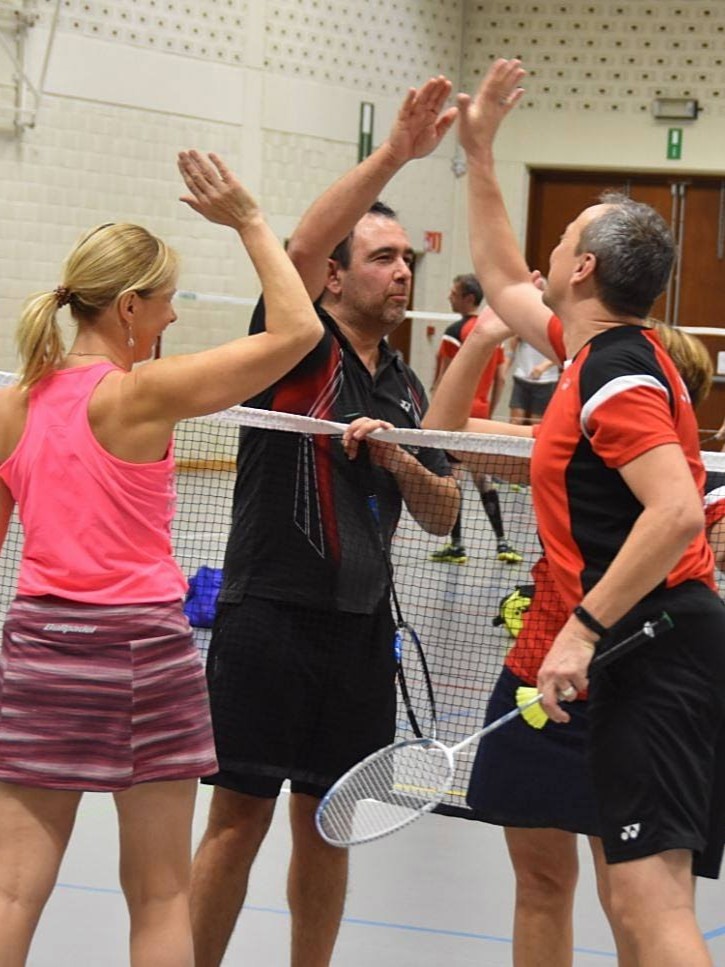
(701, 254)
(695, 209)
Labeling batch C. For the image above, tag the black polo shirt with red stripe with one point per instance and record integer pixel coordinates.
(302, 528)
(619, 397)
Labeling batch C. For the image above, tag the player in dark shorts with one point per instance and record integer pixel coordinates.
(301, 665)
(617, 483)
(541, 829)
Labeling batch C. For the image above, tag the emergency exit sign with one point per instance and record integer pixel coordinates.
(674, 144)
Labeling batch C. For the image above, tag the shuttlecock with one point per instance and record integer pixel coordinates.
(533, 715)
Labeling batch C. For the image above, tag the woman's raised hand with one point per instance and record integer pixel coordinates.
(216, 192)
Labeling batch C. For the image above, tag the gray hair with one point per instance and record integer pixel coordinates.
(634, 249)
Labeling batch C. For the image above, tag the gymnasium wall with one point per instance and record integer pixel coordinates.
(276, 88)
(594, 68)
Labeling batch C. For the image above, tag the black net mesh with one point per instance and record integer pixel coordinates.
(309, 534)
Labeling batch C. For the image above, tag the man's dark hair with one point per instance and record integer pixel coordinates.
(469, 285)
(634, 249)
(341, 252)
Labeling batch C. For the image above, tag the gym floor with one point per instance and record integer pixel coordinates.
(439, 894)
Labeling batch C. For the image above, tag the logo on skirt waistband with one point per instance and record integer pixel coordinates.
(75, 629)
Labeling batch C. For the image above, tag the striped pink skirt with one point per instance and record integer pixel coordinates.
(100, 698)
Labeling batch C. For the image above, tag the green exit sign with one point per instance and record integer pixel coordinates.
(674, 144)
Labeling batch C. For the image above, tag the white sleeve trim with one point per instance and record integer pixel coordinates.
(456, 342)
(714, 496)
(621, 384)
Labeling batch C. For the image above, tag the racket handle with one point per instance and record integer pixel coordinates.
(649, 630)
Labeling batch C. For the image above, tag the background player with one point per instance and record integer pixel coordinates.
(465, 297)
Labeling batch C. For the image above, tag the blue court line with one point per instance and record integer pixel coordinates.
(89, 889)
(359, 922)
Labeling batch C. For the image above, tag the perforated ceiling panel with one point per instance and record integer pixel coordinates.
(206, 29)
(382, 46)
(603, 56)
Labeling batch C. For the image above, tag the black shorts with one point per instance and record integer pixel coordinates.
(531, 396)
(657, 720)
(298, 694)
(529, 778)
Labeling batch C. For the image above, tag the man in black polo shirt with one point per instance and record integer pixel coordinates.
(301, 665)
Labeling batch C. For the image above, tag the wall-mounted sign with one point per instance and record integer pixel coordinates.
(365, 132)
(432, 241)
(674, 144)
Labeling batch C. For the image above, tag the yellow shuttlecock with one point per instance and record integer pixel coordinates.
(534, 715)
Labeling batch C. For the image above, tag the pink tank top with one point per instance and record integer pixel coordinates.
(97, 528)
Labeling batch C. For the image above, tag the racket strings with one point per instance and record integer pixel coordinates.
(386, 792)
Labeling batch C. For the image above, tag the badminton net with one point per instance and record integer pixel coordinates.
(466, 606)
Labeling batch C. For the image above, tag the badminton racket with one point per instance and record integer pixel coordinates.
(396, 785)
(412, 675)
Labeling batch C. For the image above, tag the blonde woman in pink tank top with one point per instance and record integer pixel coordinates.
(101, 687)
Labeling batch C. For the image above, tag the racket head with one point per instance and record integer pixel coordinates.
(385, 792)
(414, 684)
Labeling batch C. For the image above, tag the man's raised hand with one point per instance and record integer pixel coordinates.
(479, 116)
(422, 123)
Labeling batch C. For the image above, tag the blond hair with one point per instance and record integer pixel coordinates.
(107, 262)
(689, 356)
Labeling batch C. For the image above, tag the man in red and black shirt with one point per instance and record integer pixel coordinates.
(301, 664)
(465, 297)
(617, 485)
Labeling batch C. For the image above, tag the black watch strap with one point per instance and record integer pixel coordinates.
(589, 621)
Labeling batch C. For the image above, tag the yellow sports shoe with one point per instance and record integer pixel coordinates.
(507, 554)
(450, 554)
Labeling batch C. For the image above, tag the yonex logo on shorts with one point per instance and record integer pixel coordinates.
(631, 831)
(406, 405)
(74, 629)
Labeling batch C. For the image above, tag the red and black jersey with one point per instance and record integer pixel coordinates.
(620, 396)
(453, 338)
(546, 616)
(302, 529)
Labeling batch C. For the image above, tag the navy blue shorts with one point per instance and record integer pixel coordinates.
(534, 778)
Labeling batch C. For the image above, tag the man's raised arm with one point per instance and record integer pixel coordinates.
(418, 129)
(500, 267)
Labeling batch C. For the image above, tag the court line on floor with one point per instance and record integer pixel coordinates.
(359, 922)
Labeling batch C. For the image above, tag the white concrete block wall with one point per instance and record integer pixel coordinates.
(594, 68)
(129, 83)
(86, 163)
(276, 86)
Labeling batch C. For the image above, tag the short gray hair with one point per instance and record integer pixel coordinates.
(634, 249)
